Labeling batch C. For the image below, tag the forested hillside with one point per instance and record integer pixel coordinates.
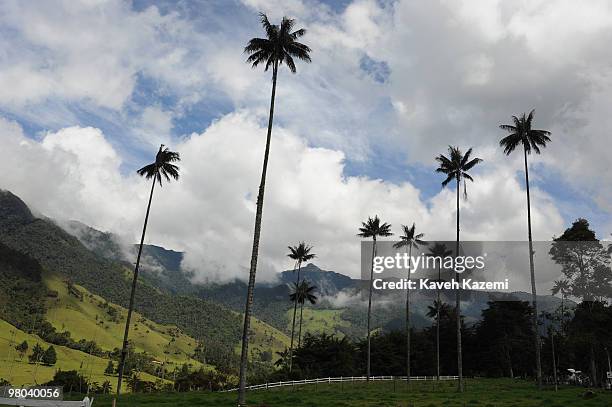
(40, 244)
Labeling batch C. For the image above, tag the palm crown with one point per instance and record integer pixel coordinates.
(410, 238)
(280, 46)
(432, 310)
(301, 253)
(303, 292)
(162, 166)
(456, 166)
(560, 286)
(372, 228)
(439, 250)
(522, 133)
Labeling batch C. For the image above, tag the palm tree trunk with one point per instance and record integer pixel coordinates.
(534, 300)
(438, 332)
(300, 331)
(554, 362)
(244, 354)
(508, 356)
(124, 348)
(562, 313)
(370, 306)
(295, 302)
(458, 306)
(593, 367)
(408, 320)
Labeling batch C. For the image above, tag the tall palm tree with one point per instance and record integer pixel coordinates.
(456, 167)
(161, 168)
(303, 292)
(438, 250)
(563, 287)
(372, 228)
(301, 254)
(521, 133)
(280, 46)
(409, 239)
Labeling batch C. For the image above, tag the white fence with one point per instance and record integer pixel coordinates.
(341, 380)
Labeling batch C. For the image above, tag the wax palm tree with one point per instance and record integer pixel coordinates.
(438, 308)
(372, 228)
(456, 168)
(521, 133)
(162, 168)
(440, 251)
(409, 239)
(563, 287)
(302, 293)
(301, 254)
(279, 47)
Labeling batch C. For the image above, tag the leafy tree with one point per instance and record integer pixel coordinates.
(110, 368)
(585, 263)
(283, 360)
(70, 380)
(521, 133)
(326, 355)
(22, 349)
(372, 228)
(438, 250)
(301, 254)
(49, 358)
(504, 334)
(280, 46)
(409, 239)
(456, 168)
(162, 167)
(37, 354)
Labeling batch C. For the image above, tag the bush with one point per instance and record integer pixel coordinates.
(70, 380)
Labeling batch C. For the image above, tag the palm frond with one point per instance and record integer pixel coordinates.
(448, 180)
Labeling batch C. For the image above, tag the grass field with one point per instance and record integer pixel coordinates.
(265, 338)
(318, 321)
(481, 392)
(86, 316)
(20, 372)
(89, 319)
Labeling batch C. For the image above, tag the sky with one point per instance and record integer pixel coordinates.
(90, 88)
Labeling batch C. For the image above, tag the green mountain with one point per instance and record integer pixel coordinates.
(73, 295)
(339, 311)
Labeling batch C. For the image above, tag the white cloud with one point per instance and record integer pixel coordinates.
(457, 70)
(209, 211)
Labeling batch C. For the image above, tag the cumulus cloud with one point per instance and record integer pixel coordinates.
(437, 73)
(209, 213)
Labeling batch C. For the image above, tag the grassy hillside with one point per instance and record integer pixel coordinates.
(60, 253)
(19, 372)
(319, 321)
(93, 318)
(86, 316)
(265, 339)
